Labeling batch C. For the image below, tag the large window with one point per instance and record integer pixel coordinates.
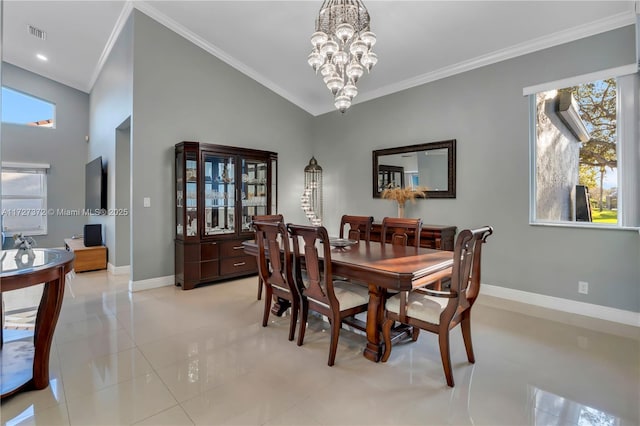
(24, 198)
(21, 108)
(584, 151)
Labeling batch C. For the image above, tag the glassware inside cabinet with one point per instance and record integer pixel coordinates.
(254, 191)
(191, 189)
(219, 194)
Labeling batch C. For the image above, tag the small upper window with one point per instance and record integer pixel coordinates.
(20, 108)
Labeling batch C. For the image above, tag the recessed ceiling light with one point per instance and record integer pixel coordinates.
(42, 57)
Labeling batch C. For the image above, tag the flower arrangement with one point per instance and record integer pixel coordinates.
(402, 195)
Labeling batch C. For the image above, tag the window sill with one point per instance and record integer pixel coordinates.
(586, 225)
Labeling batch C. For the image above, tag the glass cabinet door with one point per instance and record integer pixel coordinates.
(219, 194)
(191, 189)
(179, 194)
(254, 200)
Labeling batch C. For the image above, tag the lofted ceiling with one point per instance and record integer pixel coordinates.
(418, 41)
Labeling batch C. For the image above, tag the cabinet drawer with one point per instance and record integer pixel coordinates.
(208, 251)
(232, 248)
(209, 270)
(236, 265)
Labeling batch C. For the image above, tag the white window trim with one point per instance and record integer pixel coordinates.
(43, 167)
(630, 129)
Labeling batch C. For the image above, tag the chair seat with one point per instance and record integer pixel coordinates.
(349, 295)
(419, 306)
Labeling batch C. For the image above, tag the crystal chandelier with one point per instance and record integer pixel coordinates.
(342, 48)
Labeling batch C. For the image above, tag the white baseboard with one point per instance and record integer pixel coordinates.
(564, 305)
(118, 270)
(151, 283)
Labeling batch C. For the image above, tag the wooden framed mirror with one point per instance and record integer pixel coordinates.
(431, 165)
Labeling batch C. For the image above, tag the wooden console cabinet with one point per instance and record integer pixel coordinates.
(218, 190)
(439, 237)
(87, 258)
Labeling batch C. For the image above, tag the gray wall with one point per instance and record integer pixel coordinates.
(122, 253)
(183, 93)
(64, 148)
(111, 106)
(485, 111)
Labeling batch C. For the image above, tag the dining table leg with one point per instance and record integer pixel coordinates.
(375, 310)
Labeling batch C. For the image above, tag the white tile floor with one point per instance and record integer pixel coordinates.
(173, 357)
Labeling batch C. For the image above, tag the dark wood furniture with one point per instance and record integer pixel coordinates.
(401, 231)
(433, 166)
(440, 311)
(439, 237)
(359, 227)
(382, 266)
(87, 258)
(265, 218)
(335, 299)
(276, 272)
(218, 190)
(24, 363)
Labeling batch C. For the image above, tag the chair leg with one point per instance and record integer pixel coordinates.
(295, 308)
(443, 339)
(336, 325)
(415, 332)
(267, 306)
(259, 288)
(465, 326)
(386, 336)
(304, 314)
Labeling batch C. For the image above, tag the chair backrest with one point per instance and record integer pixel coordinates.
(359, 227)
(267, 218)
(465, 279)
(272, 237)
(401, 230)
(319, 285)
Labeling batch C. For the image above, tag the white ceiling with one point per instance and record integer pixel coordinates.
(418, 41)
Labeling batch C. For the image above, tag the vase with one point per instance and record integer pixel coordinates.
(400, 210)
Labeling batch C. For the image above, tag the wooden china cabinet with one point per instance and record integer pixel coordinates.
(217, 191)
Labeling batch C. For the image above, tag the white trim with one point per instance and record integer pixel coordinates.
(118, 270)
(151, 283)
(616, 21)
(14, 165)
(564, 305)
(115, 33)
(581, 79)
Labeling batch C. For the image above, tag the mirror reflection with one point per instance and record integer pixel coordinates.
(430, 165)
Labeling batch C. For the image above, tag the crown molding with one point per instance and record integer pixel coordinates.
(545, 42)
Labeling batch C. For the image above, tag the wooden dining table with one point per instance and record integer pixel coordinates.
(382, 267)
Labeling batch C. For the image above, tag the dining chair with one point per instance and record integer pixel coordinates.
(440, 311)
(276, 270)
(401, 231)
(319, 292)
(265, 218)
(359, 227)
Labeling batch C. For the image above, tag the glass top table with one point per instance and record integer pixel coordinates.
(24, 364)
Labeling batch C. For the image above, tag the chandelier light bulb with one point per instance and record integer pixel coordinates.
(342, 103)
(327, 69)
(369, 60)
(334, 84)
(319, 38)
(368, 38)
(329, 48)
(344, 32)
(355, 71)
(314, 60)
(358, 48)
(341, 58)
(350, 90)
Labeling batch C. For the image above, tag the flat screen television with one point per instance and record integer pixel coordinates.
(95, 193)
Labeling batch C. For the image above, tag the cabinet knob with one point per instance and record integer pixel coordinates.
(238, 247)
(240, 264)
